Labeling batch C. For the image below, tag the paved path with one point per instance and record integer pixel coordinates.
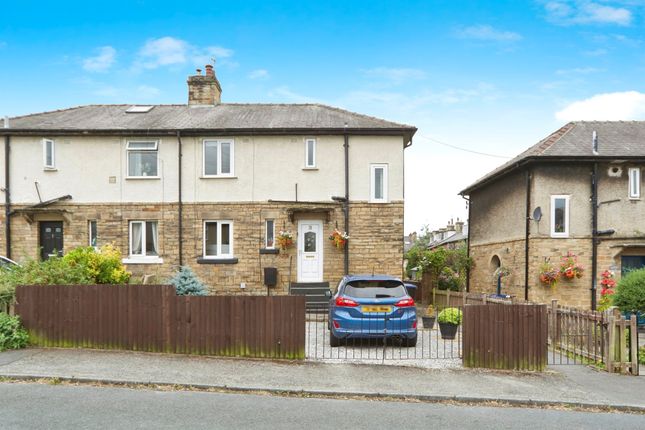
(563, 384)
(41, 406)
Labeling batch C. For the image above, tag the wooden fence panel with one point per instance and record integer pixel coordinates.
(153, 318)
(505, 336)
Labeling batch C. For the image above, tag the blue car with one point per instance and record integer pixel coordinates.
(372, 306)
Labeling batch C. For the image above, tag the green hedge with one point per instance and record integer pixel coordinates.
(630, 292)
(12, 334)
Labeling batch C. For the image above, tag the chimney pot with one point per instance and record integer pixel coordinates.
(209, 70)
(199, 71)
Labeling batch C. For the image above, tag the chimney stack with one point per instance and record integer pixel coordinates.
(459, 226)
(204, 89)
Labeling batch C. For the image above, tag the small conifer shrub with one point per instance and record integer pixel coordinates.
(187, 283)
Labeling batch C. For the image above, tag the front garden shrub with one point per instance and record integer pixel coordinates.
(103, 266)
(187, 283)
(450, 316)
(641, 355)
(448, 280)
(12, 334)
(630, 292)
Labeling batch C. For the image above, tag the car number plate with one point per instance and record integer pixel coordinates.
(377, 309)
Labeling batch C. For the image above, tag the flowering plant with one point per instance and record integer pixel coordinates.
(339, 238)
(285, 239)
(549, 275)
(501, 272)
(608, 283)
(569, 266)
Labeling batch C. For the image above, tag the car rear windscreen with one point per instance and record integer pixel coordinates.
(375, 289)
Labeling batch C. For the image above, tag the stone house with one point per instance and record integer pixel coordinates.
(577, 191)
(453, 236)
(208, 185)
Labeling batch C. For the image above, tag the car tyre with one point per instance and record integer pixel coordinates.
(410, 341)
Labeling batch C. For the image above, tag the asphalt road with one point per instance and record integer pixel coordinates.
(42, 406)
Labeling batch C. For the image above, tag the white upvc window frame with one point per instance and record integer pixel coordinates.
(268, 230)
(129, 149)
(384, 197)
(634, 186)
(144, 251)
(567, 217)
(219, 255)
(49, 143)
(94, 245)
(312, 152)
(219, 143)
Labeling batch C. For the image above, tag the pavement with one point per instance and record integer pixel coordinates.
(575, 386)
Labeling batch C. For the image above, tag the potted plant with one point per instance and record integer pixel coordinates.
(339, 238)
(285, 240)
(429, 317)
(449, 320)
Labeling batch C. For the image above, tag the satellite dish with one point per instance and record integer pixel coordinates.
(537, 214)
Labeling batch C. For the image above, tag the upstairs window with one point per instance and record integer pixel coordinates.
(378, 178)
(559, 216)
(634, 183)
(144, 239)
(269, 234)
(49, 155)
(310, 153)
(218, 158)
(143, 160)
(218, 239)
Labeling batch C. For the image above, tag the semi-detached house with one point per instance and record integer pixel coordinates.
(208, 185)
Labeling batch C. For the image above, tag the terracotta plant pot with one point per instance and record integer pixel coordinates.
(448, 331)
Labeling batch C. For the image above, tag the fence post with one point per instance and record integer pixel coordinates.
(633, 338)
(554, 322)
(447, 298)
(622, 345)
(434, 298)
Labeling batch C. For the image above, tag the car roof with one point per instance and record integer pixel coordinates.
(350, 278)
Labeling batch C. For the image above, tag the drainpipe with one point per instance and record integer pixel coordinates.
(527, 234)
(346, 203)
(180, 202)
(468, 244)
(594, 233)
(7, 195)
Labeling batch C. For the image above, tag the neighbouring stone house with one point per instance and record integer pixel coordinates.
(209, 185)
(578, 191)
(453, 236)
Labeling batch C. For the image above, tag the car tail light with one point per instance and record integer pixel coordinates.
(414, 324)
(336, 324)
(344, 301)
(405, 303)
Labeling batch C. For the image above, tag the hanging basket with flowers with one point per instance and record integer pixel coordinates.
(285, 240)
(549, 275)
(339, 238)
(569, 267)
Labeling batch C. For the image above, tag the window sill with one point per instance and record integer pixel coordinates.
(203, 260)
(379, 201)
(217, 177)
(634, 199)
(269, 251)
(142, 260)
(136, 178)
(50, 169)
(310, 168)
(559, 236)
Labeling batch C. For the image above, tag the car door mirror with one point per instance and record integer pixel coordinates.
(328, 294)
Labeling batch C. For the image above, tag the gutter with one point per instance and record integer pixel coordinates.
(180, 202)
(7, 195)
(468, 243)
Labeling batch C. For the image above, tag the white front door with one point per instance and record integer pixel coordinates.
(310, 252)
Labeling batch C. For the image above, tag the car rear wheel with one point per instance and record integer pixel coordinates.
(410, 341)
(333, 340)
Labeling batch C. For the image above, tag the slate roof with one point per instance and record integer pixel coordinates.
(226, 116)
(616, 140)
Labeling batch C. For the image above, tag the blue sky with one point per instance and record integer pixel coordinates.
(488, 76)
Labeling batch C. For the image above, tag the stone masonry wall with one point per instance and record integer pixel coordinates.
(376, 242)
(511, 255)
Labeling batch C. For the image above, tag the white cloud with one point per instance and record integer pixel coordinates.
(395, 75)
(488, 33)
(259, 74)
(284, 94)
(169, 51)
(628, 105)
(101, 62)
(567, 12)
